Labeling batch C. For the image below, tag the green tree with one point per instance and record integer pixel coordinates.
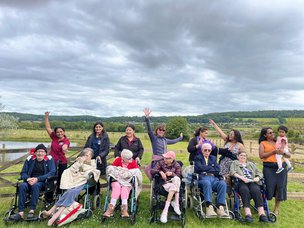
(7, 121)
(177, 125)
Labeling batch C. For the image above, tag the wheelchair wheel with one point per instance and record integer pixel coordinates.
(231, 215)
(96, 202)
(199, 214)
(186, 197)
(272, 217)
(133, 218)
(190, 202)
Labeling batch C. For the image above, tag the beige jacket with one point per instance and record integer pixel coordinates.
(78, 174)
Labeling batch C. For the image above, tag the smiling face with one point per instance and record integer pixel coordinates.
(270, 134)
(231, 136)
(161, 132)
(40, 154)
(59, 133)
(98, 129)
(282, 133)
(129, 132)
(242, 157)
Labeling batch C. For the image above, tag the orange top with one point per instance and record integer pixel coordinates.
(268, 147)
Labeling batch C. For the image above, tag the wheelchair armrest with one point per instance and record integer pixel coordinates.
(195, 176)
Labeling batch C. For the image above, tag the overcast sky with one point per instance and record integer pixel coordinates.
(113, 58)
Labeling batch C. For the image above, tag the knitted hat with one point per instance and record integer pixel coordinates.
(41, 146)
(169, 154)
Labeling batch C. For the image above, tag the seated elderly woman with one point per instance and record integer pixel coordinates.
(210, 180)
(122, 170)
(170, 172)
(249, 185)
(73, 179)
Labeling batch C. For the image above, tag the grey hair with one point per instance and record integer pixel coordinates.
(87, 150)
(126, 154)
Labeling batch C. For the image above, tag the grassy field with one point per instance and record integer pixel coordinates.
(291, 214)
(290, 210)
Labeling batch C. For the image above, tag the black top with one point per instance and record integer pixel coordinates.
(135, 146)
(38, 169)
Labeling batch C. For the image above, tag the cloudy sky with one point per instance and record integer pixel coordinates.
(113, 58)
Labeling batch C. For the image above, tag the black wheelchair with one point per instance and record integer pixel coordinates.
(236, 202)
(158, 196)
(47, 198)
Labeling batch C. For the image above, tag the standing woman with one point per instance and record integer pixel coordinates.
(100, 143)
(233, 145)
(158, 141)
(59, 147)
(195, 144)
(130, 142)
(276, 184)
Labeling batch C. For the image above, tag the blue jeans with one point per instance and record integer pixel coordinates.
(209, 184)
(34, 191)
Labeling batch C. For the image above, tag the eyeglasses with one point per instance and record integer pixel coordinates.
(160, 129)
(207, 150)
(270, 133)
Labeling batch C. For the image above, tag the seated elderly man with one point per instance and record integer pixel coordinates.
(36, 169)
(210, 180)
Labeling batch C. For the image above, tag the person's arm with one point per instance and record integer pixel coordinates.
(47, 123)
(118, 148)
(141, 149)
(257, 172)
(218, 129)
(193, 146)
(65, 148)
(262, 153)
(104, 149)
(24, 176)
(199, 167)
(173, 141)
(233, 172)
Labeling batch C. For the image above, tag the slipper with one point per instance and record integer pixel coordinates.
(16, 217)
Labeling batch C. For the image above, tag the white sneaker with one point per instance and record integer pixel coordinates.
(176, 208)
(210, 213)
(163, 217)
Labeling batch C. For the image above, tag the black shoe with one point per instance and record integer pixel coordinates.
(16, 217)
(263, 218)
(248, 218)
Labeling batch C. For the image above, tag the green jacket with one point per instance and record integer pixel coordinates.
(237, 168)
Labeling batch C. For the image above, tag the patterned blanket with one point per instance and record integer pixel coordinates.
(124, 177)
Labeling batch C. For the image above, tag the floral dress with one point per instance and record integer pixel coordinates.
(226, 162)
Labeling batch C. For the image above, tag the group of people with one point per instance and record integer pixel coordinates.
(214, 175)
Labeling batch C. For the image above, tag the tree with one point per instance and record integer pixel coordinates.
(7, 121)
(175, 126)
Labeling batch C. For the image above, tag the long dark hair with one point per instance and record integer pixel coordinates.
(237, 137)
(160, 126)
(263, 133)
(201, 129)
(101, 124)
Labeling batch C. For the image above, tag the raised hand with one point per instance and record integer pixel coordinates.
(147, 112)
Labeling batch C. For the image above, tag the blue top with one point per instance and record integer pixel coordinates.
(159, 144)
(200, 166)
(48, 164)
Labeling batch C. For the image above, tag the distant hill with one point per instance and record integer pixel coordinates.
(219, 117)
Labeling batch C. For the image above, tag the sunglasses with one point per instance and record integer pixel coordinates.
(270, 133)
(160, 129)
(207, 150)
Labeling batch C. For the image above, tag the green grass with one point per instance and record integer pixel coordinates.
(290, 216)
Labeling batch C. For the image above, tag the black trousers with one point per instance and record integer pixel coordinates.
(250, 191)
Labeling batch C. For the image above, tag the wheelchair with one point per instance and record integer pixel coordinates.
(236, 202)
(89, 197)
(132, 201)
(195, 198)
(47, 198)
(158, 196)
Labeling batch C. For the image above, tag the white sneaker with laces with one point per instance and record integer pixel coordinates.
(176, 208)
